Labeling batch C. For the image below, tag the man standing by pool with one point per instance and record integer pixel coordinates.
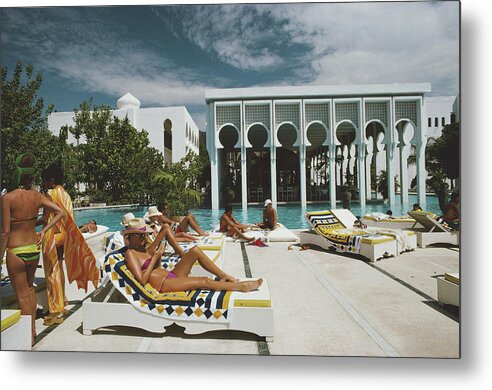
(65, 241)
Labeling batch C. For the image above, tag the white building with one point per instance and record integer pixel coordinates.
(304, 143)
(171, 130)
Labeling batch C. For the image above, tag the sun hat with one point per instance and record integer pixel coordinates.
(126, 218)
(137, 226)
(267, 202)
(153, 212)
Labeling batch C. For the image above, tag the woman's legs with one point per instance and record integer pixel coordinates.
(183, 268)
(195, 283)
(190, 221)
(61, 256)
(21, 275)
(234, 231)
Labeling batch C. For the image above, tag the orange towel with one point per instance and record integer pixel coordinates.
(79, 259)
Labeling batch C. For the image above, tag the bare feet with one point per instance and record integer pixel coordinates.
(250, 239)
(251, 285)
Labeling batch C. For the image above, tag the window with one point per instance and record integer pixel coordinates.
(429, 122)
(436, 121)
(443, 121)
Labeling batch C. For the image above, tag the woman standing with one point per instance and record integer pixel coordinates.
(19, 238)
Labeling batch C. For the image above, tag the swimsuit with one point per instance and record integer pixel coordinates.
(15, 220)
(29, 252)
(170, 275)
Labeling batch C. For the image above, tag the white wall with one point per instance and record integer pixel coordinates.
(150, 119)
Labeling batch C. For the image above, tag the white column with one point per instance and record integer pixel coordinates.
(369, 154)
(404, 150)
(244, 178)
(420, 154)
(361, 172)
(244, 160)
(302, 155)
(390, 150)
(273, 157)
(421, 173)
(332, 167)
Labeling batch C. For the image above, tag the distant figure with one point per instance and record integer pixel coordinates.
(389, 213)
(416, 207)
(89, 227)
(184, 223)
(158, 218)
(452, 212)
(269, 216)
(230, 226)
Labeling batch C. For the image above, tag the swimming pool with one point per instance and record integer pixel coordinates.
(292, 215)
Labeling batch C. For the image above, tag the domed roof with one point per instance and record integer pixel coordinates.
(128, 101)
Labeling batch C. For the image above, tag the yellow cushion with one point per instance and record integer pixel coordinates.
(252, 303)
(452, 277)
(377, 240)
(9, 318)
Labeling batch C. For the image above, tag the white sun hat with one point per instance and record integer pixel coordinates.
(267, 202)
(126, 218)
(153, 212)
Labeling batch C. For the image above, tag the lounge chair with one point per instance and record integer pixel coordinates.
(16, 331)
(406, 239)
(100, 230)
(385, 221)
(433, 231)
(329, 232)
(197, 311)
(448, 289)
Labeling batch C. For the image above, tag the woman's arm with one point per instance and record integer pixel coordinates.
(52, 207)
(133, 264)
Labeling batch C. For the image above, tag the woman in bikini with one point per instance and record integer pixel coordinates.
(145, 264)
(19, 238)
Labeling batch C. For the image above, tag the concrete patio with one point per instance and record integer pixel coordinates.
(324, 304)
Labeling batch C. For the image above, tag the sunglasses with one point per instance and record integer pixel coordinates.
(139, 236)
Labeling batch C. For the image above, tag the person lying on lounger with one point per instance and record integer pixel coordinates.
(183, 223)
(231, 227)
(269, 216)
(89, 227)
(145, 264)
(156, 217)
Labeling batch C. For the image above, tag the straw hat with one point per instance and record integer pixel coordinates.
(126, 218)
(267, 202)
(153, 212)
(137, 226)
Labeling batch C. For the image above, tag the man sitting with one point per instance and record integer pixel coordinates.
(269, 216)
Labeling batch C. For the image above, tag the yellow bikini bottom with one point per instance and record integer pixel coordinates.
(29, 252)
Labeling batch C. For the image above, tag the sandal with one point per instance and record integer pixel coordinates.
(53, 319)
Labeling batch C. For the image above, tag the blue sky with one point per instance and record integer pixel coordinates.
(169, 55)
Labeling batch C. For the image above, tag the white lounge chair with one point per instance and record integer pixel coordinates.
(448, 289)
(329, 232)
(197, 311)
(406, 239)
(385, 222)
(433, 232)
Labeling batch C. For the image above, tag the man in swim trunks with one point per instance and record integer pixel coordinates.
(230, 225)
(452, 212)
(269, 216)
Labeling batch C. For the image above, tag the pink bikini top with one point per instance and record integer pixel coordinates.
(146, 264)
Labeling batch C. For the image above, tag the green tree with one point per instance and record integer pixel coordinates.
(382, 184)
(24, 124)
(115, 160)
(178, 184)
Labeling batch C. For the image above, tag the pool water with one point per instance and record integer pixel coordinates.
(292, 215)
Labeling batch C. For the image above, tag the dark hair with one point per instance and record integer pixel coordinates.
(416, 205)
(454, 195)
(228, 207)
(93, 221)
(26, 178)
(55, 172)
(389, 212)
(161, 206)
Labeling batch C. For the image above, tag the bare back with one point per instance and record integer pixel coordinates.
(20, 209)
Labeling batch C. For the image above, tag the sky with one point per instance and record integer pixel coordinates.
(168, 55)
